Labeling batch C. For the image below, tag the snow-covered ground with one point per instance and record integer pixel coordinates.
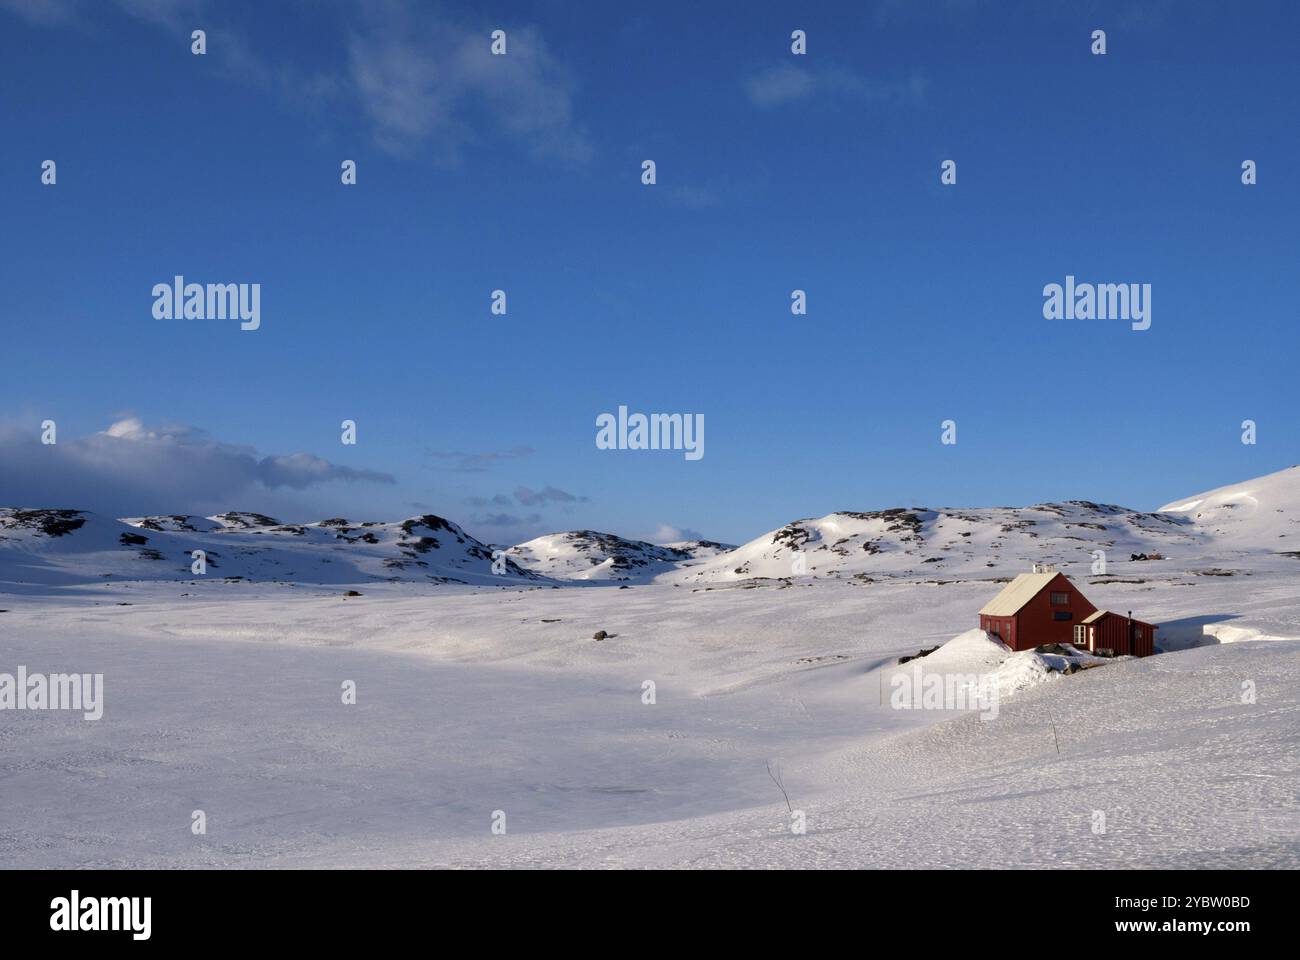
(475, 697)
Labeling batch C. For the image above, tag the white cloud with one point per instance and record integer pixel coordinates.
(548, 494)
(45, 13)
(49, 13)
(462, 462)
(667, 533)
(505, 528)
(693, 197)
(780, 85)
(422, 78)
(169, 13)
(131, 469)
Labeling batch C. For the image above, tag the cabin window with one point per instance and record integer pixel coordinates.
(1062, 615)
(1060, 599)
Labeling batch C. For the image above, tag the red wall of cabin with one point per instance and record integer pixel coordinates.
(1036, 623)
(1113, 634)
(1004, 627)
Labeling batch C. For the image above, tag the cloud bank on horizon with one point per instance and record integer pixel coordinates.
(129, 469)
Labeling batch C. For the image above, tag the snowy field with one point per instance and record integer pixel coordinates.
(470, 699)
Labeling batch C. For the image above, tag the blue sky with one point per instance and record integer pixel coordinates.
(775, 172)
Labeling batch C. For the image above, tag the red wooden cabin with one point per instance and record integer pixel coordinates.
(1045, 607)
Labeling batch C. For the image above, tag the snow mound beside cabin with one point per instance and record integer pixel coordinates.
(975, 651)
(978, 653)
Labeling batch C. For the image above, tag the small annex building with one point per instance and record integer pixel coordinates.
(1116, 635)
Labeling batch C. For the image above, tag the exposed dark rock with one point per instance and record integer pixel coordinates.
(52, 523)
(245, 519)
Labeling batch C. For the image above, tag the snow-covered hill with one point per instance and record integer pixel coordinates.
(923, 542)
(1260, 514)
(701, 549)
(1259, 517)
(176, 522)
(72, 546)
(589, 555)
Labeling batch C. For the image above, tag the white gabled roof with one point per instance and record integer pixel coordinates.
(1017, 593)
(1095, 616)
